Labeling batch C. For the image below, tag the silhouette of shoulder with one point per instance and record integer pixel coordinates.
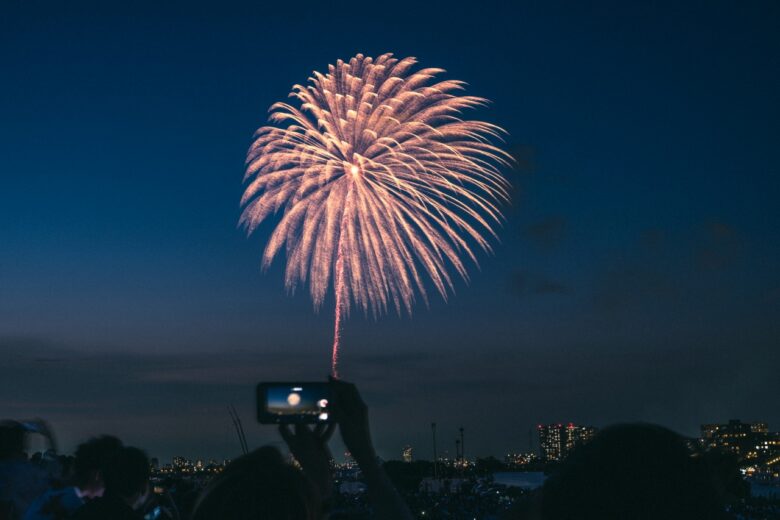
(54, 503)
(107, 508)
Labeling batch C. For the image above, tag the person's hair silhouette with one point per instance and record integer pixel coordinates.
(11, 440)
(126, 478)
(636, 471)
(259, 486)
(127, 473)
(91, 461)
(89, 465)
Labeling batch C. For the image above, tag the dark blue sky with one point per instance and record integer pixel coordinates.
(636, 277)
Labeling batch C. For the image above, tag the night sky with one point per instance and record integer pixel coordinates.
(636, 277)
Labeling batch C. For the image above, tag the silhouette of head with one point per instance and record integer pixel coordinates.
(259, 486)
(637, 471)
(12, 436)
(127, 475)
(92, 458)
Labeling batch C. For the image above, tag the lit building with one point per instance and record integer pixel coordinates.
(757, 448)
(519, 459)
(769, 446)
(557, 440)
(406, 454)
(742, 439)
(550, 446)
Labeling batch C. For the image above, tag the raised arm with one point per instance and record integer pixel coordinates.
(352, 416)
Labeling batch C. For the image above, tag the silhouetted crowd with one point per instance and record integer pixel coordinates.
(632, 471)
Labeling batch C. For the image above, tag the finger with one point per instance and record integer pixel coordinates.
(341, 390)
(319, 429)
(286, 433)
(347, 401)
(337, 408)
(349, 397)
(328, 432)
(302, 431)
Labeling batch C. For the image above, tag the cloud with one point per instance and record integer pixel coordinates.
(719, 248)
(522, 283)
(546, 234)
(638, 285)
(525, 158)
(772, 296)
(156, 400)
(176, 403)
(669, 269)
(550, 287)
(653, 238)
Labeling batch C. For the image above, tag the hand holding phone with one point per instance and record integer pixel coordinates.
(352, 415)
(309, 446)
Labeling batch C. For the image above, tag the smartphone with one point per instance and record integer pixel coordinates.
(294, 403)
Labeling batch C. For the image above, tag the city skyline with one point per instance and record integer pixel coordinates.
(711, 436)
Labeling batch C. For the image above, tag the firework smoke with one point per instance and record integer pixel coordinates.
(380, 182)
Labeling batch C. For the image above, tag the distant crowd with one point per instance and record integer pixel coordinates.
(632, 471)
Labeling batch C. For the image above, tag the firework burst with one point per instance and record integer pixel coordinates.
(381, 184)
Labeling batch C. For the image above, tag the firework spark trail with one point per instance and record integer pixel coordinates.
(338, 287)
(380, 182)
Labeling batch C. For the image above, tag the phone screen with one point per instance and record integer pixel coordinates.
(293, 403)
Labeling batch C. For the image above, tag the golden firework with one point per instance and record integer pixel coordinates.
(380, 181)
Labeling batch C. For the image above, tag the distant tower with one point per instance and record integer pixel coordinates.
(556, 441)
(406, 454)
(435, 456)
(462, 445)
(457, 450)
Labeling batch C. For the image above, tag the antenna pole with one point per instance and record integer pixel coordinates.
(435, 456)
